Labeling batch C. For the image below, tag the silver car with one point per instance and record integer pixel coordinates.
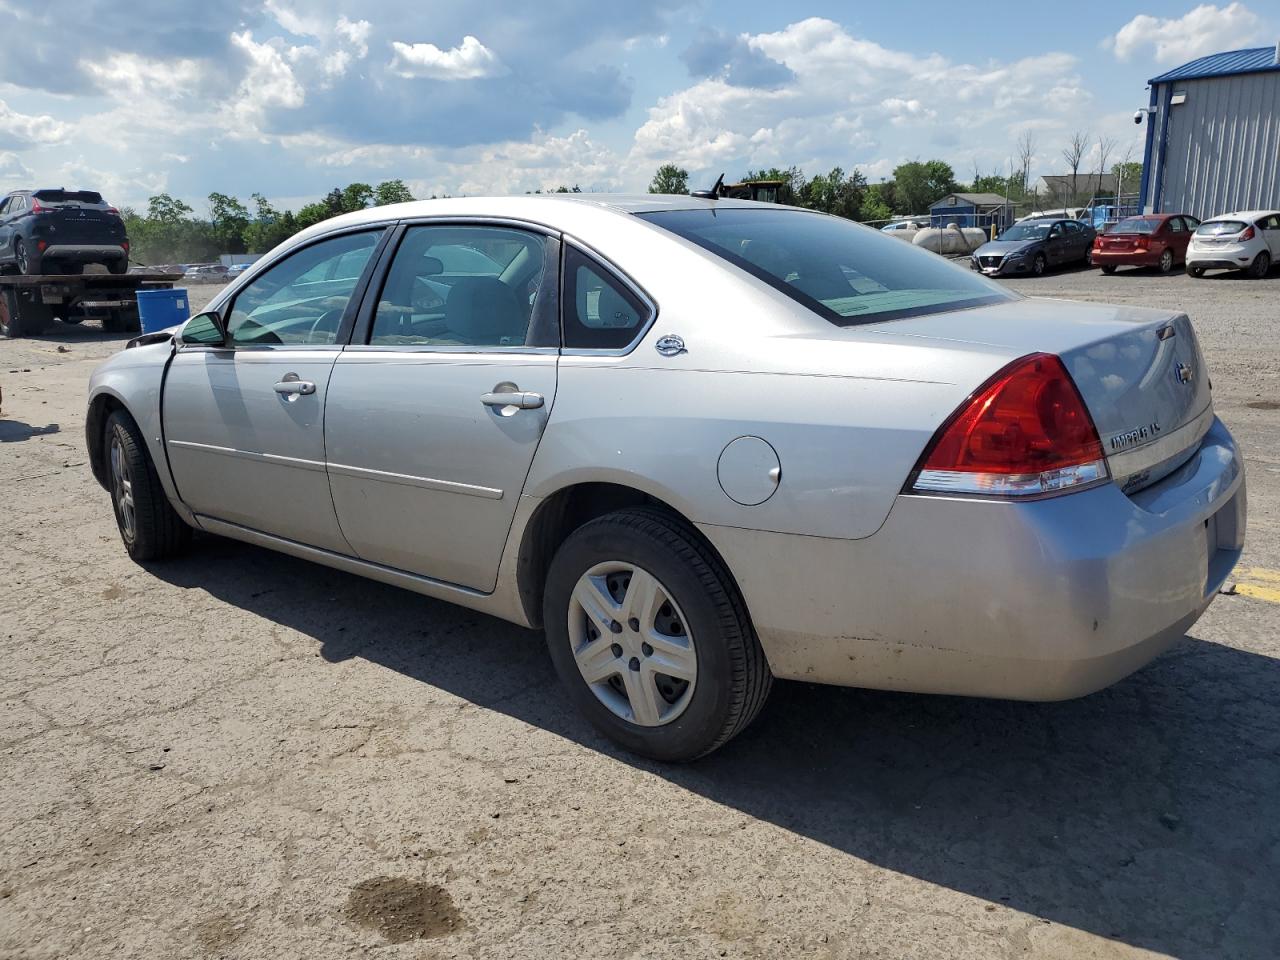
(702, 443)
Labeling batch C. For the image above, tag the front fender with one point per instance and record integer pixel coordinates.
(132, 380)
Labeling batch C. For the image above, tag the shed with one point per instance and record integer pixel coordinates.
(1213, 135)
(971, 210)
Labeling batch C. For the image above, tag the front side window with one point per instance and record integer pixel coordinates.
(467, 286)
(600, 312)
(301, 300)
(843, 271)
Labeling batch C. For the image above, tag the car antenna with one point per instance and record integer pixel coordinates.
(713, 193)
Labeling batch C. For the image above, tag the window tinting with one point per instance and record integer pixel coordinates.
(844, 272)
(600, 313)
(460, 286)
(1142, 225)
(302, 299)
(1220, 228)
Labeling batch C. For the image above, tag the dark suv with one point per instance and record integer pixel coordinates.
(59, 231)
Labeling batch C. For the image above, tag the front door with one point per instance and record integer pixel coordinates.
(244, 423)
(433, 421)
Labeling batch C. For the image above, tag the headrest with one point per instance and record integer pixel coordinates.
(430, 266)
(485, 310)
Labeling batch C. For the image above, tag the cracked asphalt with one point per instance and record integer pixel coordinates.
(243, 755)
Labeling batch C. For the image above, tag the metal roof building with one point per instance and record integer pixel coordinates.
(1213, 135)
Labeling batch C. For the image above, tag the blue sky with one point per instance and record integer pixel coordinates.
(292, 97)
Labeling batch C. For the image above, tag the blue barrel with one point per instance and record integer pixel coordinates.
(160, 309)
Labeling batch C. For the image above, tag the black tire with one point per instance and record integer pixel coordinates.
(733, 677)
(1194, 271)
(27, 264)
(121, 321)
(119, 266)
(1261, 265)
(157, 530)
(30, 320)
(1109, 268)
(1038, 265)
(1166, 262)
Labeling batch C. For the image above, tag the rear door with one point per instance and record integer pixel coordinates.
(435, 413)
(1271, 230)
(1057, 246)
(1177, 236)
(244, 423)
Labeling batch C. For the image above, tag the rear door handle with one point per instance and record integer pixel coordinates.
(291, 386)
(507, 395)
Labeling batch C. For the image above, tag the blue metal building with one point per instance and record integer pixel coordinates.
(971, 210)
(1213, 135)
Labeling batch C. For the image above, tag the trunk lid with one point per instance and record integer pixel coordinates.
(1140, 372)
(78, 217)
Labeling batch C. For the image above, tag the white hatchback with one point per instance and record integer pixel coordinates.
(1236, 241)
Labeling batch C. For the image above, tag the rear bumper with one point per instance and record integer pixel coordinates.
(1044, 600)
(1125, 258)
(84, 252)
(1221, 258)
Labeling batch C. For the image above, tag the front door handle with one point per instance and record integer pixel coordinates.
(509, 395)
(292, 386)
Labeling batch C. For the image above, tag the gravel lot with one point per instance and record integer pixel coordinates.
(244, 755)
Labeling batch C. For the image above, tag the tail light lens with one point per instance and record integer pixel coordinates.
(36, 208)
(1025, 432)
(125, 245)
(1248, 234)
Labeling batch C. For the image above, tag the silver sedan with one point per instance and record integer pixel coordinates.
(701, 443)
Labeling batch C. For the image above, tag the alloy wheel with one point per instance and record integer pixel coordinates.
(122, 487)
(1166, 261)
(20, 253)
(1037, 265)
(632, 644)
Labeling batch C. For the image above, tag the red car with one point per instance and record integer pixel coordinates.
(1151, 240)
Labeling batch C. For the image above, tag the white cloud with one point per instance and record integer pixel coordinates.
(12, 167)
(128, 75)
(355, 33)
(472, 60)
(24, 129)
(268, 82)
(855, 103)
(1203, 30)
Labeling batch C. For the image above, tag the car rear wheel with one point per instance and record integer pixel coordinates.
(1108, 268)
(1038, 265)
(119, 266)
(1166, 262)
(27, 265)
(651, 638)
(148, 524)
(1194, 271)
(1261, 265)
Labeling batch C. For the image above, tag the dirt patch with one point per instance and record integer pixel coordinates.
(1263, 404)
(217, 933)
(403, 910)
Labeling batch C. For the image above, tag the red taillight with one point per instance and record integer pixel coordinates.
(1248, 234)
(40, 245)
(36, 208)
(113, 210)
(1025, 432)
(125, 244)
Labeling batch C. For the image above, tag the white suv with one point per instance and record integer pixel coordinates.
(1236, 241)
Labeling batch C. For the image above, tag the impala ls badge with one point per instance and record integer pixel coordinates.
(1183, 372)
(670, 345)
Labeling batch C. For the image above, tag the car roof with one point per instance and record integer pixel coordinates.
(1245, 215)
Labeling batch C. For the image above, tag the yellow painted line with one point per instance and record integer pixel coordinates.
(1258, 592)
(1259, 573)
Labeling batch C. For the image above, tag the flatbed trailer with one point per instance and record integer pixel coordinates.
(28, 304)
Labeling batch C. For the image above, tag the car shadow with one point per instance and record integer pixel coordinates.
(59, 331)
(15, 431)
(1146, 813)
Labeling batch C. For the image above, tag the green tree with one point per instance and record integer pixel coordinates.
(877, 203)
(269, 227)
(1128, 176)
(917, 185)
(836, 192)
(391, 191)
(793, 182)
(313, 213)
(670, 179)
(229, 219)
(356, 196)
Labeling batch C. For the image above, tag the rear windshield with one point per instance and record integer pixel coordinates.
(1220, 228)
(844, 272)
(1138, 225)
(68, 196)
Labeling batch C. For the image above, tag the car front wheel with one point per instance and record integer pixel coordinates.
(651, 638)
(149, 526)
(1038, 265)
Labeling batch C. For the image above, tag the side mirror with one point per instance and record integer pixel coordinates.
(206, 329)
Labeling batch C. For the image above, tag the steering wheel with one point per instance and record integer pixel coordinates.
(321, 326)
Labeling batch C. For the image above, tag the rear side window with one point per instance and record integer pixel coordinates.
(600, 311)
(1220, 228)
(842, 271)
